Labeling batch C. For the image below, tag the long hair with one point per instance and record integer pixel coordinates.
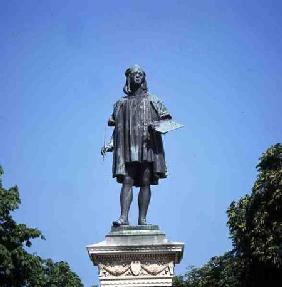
(127, 86)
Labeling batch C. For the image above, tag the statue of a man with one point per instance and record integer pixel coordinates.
(138, 154)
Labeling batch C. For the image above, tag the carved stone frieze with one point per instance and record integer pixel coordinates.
(136, 268)
(114, 270)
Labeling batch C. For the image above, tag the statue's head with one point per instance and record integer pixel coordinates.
(135, 78)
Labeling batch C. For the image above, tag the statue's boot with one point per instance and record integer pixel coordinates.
(142, 221)
(120, 221)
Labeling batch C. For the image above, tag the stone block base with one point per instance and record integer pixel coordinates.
(136, 256)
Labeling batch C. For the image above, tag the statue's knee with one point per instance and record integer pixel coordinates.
(146, 181)
(146, 178)
(128, 180)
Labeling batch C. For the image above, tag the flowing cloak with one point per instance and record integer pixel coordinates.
(133, 139)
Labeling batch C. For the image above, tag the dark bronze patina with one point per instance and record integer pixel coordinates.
(138, 154)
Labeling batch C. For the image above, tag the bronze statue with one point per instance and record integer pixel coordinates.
(139, 119)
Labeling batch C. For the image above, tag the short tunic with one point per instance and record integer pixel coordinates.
(133, 139)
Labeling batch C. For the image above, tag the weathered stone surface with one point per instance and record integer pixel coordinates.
(136, 256)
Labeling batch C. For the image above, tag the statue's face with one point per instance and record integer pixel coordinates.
(137, 77)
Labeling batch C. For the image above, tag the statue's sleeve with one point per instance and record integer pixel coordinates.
(160, 108)
(112, 119)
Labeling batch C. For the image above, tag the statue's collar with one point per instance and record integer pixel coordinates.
(145, 94)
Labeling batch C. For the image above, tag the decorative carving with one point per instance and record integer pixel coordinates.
(171, 268)
(115, 270)
(136, 268)
(154, 269)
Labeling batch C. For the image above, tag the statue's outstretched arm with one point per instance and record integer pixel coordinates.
(109, 147)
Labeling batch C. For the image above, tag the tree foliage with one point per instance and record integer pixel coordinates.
(255, 224)
(18, 267)
(219, 271)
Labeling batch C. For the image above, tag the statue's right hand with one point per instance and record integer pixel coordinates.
(103, 151)
(107, 148)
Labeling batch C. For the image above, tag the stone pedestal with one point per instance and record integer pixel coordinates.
(136, 256)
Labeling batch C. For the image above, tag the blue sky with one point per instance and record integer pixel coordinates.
(217, 66)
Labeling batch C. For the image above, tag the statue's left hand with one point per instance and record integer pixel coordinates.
(154, 125)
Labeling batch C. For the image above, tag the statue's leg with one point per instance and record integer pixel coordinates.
(144, 195)
(126, 197)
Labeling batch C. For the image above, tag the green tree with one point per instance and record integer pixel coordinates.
(55, 274)
(255, 224)
(17, 266)
(219, 271)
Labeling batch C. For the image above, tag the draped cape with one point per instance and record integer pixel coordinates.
(133, 139)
